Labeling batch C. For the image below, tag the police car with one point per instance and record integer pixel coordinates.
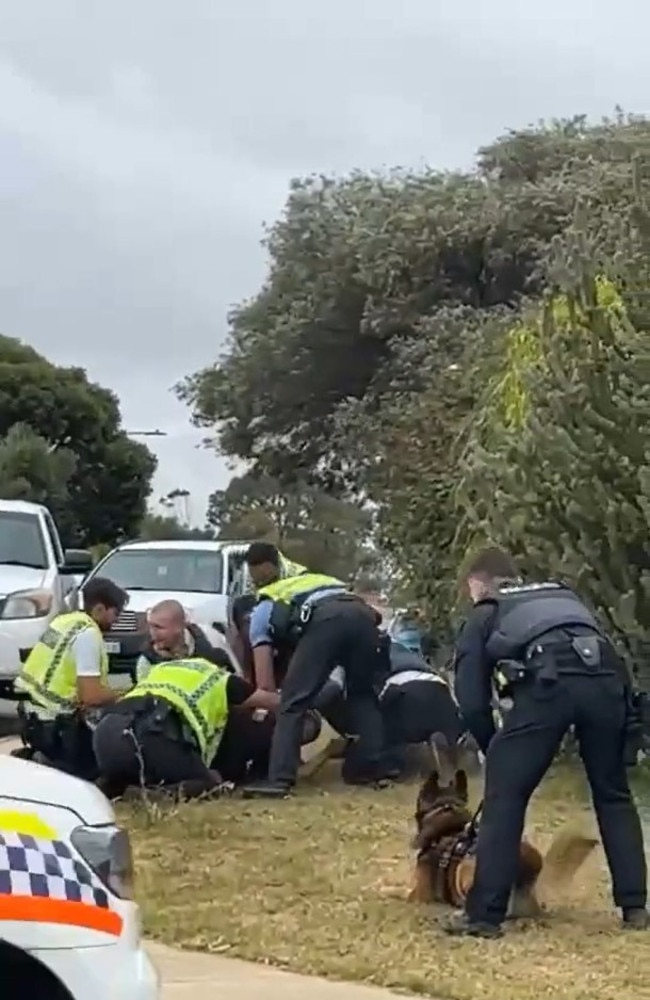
(69, 928)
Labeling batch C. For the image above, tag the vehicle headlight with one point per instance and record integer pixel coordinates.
(27, 604)
(107, 850)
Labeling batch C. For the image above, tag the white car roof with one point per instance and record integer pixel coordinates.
(186, 543)
(22, 507)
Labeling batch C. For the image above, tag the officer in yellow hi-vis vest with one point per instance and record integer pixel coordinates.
(325, 626)
(65, 678)
(172, 728)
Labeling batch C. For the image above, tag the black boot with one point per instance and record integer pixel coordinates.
(460, 925)
(636, 919)
(266, 790)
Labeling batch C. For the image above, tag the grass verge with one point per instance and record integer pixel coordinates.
(318, 884)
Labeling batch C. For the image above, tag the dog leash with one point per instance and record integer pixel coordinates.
(471, 829)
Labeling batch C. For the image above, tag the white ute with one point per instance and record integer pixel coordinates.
(36, 575)
(69, 928)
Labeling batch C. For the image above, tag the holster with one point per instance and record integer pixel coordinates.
(153, 716)
(573, 655)
(157, 717)
(289, 622)
(65, 740)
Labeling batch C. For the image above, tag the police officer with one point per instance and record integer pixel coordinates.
(323, 625)
(560, 671)
(416, 703)
(65, 680)
(174, 728)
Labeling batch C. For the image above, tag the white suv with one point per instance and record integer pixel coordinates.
(200, 575)
(36, 577)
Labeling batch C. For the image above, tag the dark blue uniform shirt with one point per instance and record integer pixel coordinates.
(473, 673)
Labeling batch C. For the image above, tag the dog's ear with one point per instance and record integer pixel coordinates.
(428, 794)
(431, 787)
(460, 783)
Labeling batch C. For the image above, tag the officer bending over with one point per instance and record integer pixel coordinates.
(560, 670)
(324, 626)
(65, 678)
(174, 729)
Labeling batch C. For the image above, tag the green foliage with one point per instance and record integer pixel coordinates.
(99, 497)
(371, 364)
(359, 265)
(30, 470)
(566, 485)
(322, 532)
(160, 528)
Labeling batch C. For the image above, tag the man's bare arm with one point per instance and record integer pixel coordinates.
(267, 700)
(263, 664)
(92, 693)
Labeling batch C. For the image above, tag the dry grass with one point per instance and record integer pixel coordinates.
(318, 883)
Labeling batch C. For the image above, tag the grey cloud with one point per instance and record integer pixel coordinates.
(143, 144)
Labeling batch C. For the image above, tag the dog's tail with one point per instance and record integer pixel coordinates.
(565, 857)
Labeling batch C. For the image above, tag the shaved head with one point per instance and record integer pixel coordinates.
(166, 621)
(173, 610)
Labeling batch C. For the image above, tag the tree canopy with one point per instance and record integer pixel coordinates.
(55, 423)
(166, 527)
(465, 351)
(361, 266)
(327, 534)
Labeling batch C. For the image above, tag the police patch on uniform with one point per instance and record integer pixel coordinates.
(41, 880)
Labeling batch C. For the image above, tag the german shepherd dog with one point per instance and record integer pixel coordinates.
(445, 842)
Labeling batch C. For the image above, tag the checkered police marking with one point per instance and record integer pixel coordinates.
(31, 866)
(40, 879)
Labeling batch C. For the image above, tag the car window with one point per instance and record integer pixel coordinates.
(165, 569)
(21, 540)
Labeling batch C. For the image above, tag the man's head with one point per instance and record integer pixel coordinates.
(104, 601)
(263, 561)
(487, 571)
(167, 622)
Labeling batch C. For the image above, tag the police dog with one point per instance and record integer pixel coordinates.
(445, 842)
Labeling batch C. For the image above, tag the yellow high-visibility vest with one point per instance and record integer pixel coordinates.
(197, 689)
(49, 675)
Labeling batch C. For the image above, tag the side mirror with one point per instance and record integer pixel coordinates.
(77, 561)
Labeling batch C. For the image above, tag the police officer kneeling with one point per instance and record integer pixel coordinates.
(169, 728)
(65, 680)
(324, 626)
(560, 670)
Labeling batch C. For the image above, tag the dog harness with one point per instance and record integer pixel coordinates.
(449, 852)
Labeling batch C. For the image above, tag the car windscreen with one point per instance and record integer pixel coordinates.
(21, 540)
(165, 569)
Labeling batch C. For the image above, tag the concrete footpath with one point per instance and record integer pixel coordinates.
(203, 977)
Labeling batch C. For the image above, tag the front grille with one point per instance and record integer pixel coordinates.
(127, 622)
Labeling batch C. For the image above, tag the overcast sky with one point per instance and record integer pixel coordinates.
(143, 143)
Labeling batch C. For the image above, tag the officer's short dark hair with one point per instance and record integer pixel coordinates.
(262, 552)
(100, 590)
(492, 564)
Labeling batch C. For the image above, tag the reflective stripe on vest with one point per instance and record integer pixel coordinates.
(197, 689)
(292, 588)
(49, 676)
